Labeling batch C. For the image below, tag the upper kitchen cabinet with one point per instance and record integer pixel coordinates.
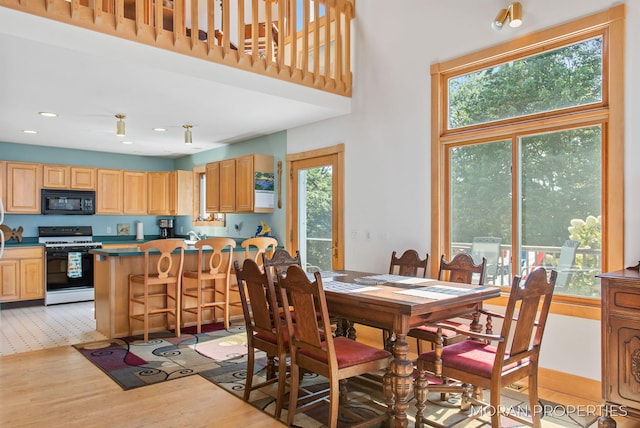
(170, 193)
(212, 174)
(254, 184)
(109, 191)
(134, 192)
(83, 178)
(69, 177)
(181, 192)
(227, 186)
(24, 182)
(55, 176)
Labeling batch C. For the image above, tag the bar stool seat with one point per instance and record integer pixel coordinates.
(201, 285)
(157, 291)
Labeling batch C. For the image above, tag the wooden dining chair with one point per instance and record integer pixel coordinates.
(156, 292)
(314, 349)
(266, 330)
(202, 285)
(460, 269)
(480, 363)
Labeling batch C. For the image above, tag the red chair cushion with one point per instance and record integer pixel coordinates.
(350, 353)
(434, 330)
(272, 339)
(468, 356)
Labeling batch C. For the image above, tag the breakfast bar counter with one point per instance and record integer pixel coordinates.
(112, 267)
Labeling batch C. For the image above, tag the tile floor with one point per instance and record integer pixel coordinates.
(40, 327)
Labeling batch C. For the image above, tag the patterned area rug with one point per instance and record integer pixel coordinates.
(132, 363)
(219, 356)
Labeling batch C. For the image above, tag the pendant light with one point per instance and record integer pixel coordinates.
(120, 132)
(187, 134)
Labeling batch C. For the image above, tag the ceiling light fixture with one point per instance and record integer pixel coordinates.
(47, 114)
(29, 131)
(513, 13)
(160, 129)
(127, 142)
(120, 125)
(188, 138)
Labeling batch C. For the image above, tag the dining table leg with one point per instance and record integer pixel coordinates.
(398, 383)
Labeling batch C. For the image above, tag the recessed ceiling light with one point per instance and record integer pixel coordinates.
(127, 142)
(29, 131)
(47, 114)
(160, 129)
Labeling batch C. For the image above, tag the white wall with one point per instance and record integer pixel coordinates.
(387, 135)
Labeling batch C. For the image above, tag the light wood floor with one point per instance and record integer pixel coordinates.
(58, 387)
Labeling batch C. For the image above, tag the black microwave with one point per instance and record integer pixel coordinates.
(65, 202)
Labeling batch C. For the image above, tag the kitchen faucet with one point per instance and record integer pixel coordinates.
(195, 236)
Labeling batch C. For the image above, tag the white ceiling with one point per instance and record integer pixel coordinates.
(88, 77)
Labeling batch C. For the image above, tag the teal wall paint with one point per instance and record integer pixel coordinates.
(274, 145)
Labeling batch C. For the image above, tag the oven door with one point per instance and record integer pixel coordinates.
(69, 268)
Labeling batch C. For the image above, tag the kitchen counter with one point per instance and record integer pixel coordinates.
(112, 267)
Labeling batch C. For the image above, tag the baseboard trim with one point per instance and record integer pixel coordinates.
(569, 384)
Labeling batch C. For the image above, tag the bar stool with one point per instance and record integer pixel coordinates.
(217, 268)
(161, 285)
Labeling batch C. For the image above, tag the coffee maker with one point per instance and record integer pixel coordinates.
(166, 228)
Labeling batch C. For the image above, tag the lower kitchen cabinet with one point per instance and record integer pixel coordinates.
(22, 274)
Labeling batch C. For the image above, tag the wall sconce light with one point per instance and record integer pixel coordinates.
(120, 125)
(188, 138)
(513, 13)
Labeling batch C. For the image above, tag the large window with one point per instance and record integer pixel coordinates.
(525, 149)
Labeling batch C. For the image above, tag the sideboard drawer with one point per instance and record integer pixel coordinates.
(624, 300)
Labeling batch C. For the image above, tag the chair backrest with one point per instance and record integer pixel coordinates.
(260, 245)
(489, 248)
(256, 287)
(566, 260)
(164, 264)
(312, 316)
(279, 262)
(462, 269)
(408, 264)
(217, 262)
(523, 326)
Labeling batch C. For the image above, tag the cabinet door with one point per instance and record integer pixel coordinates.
(3, 182)
(212, 172)
(9, 286)
(31, 279)
(624, 370)
(24, 181)
(109, 191)
(181, 192)
(244, 184)
(135, 192)
(83, 178)
(159, 192)
(228, 186)
(55, 177)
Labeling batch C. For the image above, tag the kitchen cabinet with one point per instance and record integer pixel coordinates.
(22, 274)
(83, 178)
(212, 174)
(227, 185)
(181, 192)
(170, 193)
(68, 177)
(55, 176)
(620, 325)
(24, 182)
(109, 199)
(134, 192)
(3, 182)
(250, 171)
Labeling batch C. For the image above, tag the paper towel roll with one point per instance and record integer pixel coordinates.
(139, 232)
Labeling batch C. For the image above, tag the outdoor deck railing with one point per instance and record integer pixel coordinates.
(300, 41)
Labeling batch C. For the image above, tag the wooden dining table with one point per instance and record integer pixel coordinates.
(398, 303)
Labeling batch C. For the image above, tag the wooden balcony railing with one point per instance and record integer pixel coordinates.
(300, 41)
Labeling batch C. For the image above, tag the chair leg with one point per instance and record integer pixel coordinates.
(533, 399)
(293, 393)
(494, 400)
(199, 308)
(250, 367)
(334, 403)
(282, 376)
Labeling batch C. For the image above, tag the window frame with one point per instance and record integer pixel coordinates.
(609, 113)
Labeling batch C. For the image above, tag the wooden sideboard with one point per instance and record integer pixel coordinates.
(620, 345)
